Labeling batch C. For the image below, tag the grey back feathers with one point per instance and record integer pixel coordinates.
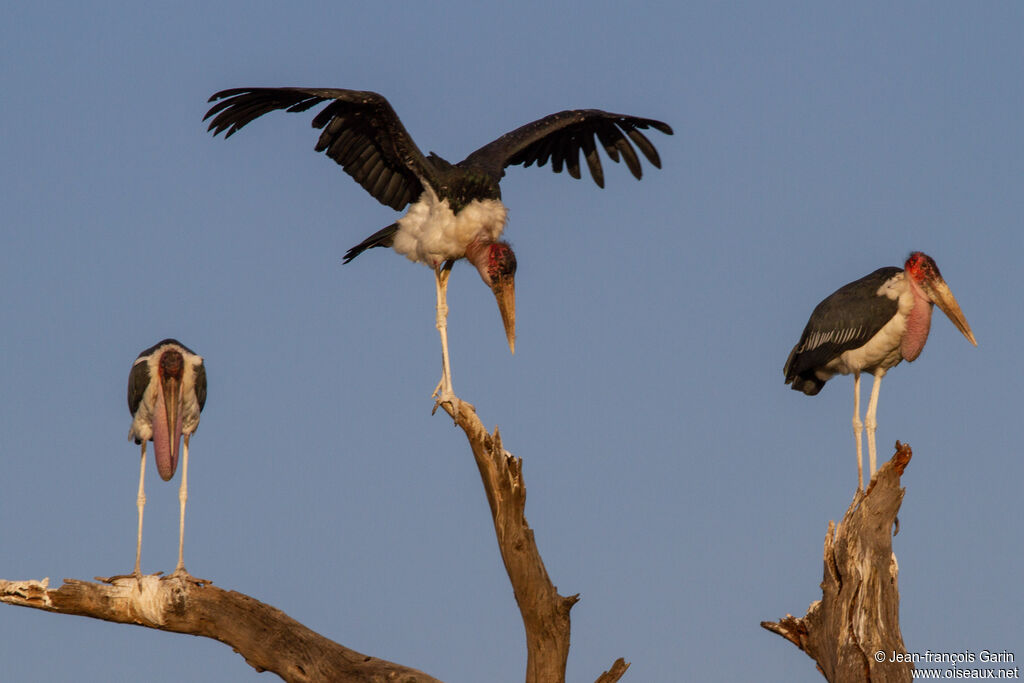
(844, 320)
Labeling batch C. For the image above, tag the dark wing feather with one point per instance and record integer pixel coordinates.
(572, 157)
(593, 159)
(200, 385)
(138, 380)
(845, 320)
(360, 131)
(561, 136)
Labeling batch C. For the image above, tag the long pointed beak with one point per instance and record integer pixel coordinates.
(167, 427)
(504, 289)
(939, 292)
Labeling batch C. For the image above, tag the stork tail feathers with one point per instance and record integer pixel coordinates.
(806, 381)
(382, 238)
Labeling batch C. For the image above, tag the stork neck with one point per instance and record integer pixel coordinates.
(919, 322)
(476, 253)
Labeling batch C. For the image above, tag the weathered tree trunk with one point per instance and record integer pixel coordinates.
(858, 614)
(545, 613)
(270, 640)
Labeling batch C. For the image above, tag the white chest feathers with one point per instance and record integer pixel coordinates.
(431, 233)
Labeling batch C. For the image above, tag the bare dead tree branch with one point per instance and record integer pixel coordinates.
(545, 613)
(858, 614)
(615, 673)
(266, 637)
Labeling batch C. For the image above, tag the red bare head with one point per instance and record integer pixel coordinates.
(923, 272)
(501, 263)
(171, 364)
(920, 266)
(496, 263)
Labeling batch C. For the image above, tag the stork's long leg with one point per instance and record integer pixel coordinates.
(444, 390)
(140, 501)
(858, 428)
(869, 418)
(182, 497)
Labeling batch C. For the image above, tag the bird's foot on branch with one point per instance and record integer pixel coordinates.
(182, 575)
(444, 396)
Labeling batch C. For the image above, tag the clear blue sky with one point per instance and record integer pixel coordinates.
(674, 480)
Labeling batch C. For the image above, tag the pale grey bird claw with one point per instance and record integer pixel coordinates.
(182, 575)
(451, 399)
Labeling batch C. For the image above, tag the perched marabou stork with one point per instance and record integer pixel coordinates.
(870, 326)
(166, 392)
(456, 209)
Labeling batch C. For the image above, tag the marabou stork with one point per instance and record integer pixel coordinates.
(456, 209)
(166, 392)
(870, 325)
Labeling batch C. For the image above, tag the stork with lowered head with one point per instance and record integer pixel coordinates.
(166, 393)
(455, 210)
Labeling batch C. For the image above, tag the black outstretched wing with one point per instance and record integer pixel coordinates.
(560, 137)
(360, 131)
(845, 320)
